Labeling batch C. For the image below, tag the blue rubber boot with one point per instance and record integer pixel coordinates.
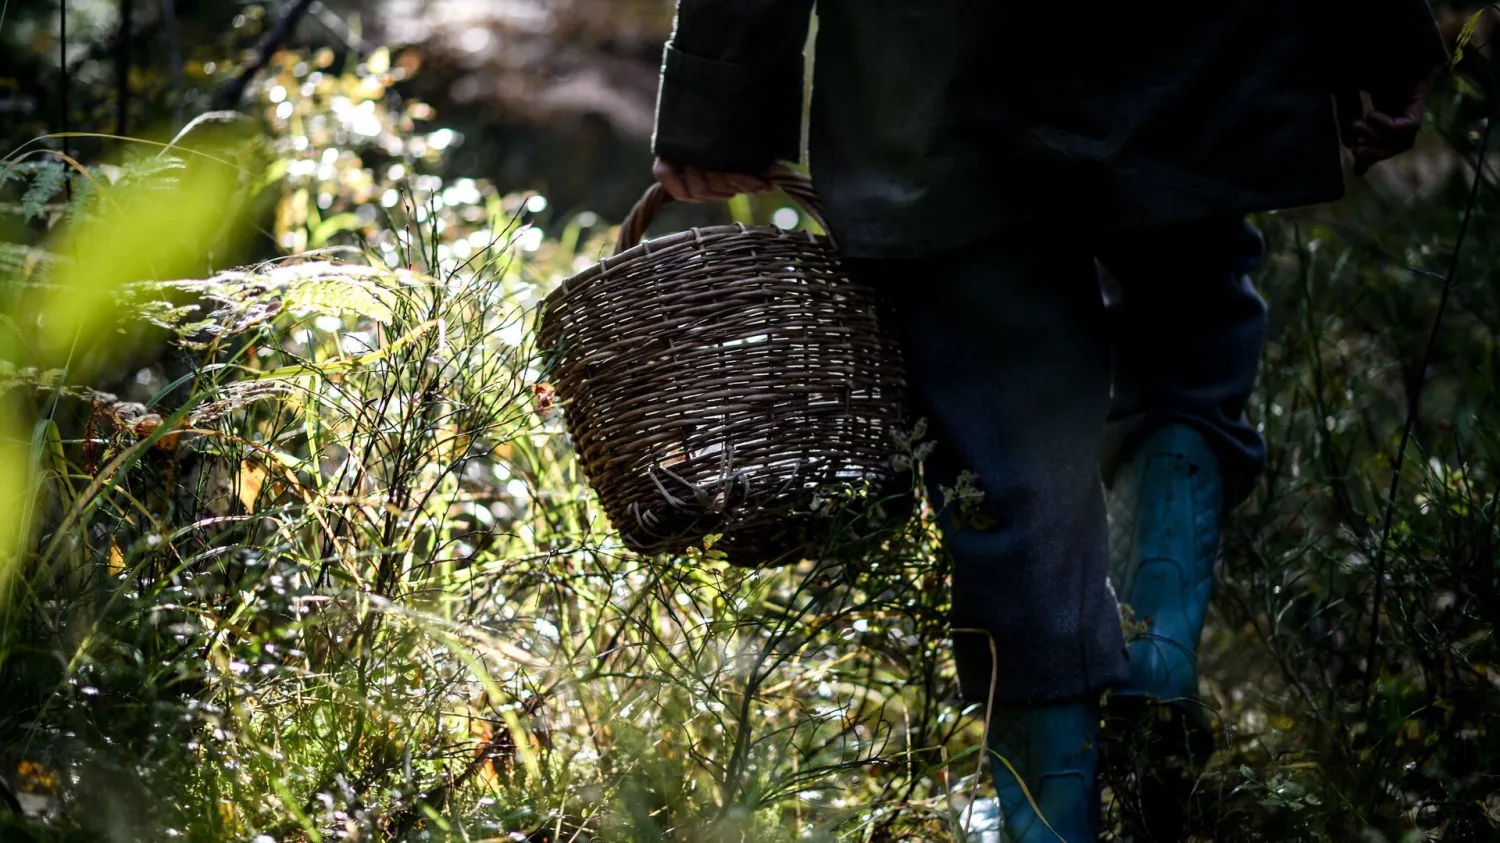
(1055, 750)
(1165, 509)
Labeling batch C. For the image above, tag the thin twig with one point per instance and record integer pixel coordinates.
(124, 50)
(62, 42)
(174, 58)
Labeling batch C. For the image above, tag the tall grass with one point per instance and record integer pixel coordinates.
(352, 584)
(304, 555)
(339, 578)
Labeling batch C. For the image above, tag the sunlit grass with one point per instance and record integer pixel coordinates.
(340, 575)
(327, 569)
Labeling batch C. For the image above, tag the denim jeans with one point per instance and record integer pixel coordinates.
(1038, 387)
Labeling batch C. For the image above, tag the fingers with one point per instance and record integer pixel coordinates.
(1396, 133)
(1390, 129)
(1407, 102)
(1351, 110)
(719, 184)
(697, 185)
(706, 186)
(749, 184)
(670, 179)
(691, 184)
(1356, 133)
(685, 184)
(1379, 137)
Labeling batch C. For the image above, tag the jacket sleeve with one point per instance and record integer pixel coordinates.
(1384, 42)
(732, 83)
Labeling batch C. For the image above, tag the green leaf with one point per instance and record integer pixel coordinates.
(46, 184)
(274, 174)
(336, 224)
(1466, 35)
(47, 450)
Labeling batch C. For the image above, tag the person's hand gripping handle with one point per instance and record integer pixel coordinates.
(1388, 129)
(691, 184)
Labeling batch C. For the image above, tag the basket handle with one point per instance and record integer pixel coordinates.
(791, 182)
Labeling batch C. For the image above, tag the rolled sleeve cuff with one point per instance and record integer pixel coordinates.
(726, 116)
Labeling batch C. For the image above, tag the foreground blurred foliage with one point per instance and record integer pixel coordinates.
(292, 546)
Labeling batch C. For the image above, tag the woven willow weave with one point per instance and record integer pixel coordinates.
(725, 380)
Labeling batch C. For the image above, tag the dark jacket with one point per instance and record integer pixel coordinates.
(935, 122)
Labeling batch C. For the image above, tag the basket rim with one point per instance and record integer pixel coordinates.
(646, 247)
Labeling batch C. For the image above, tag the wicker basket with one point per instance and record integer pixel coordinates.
(728, 380)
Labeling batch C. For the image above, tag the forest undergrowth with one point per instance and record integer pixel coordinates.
(293, 548)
